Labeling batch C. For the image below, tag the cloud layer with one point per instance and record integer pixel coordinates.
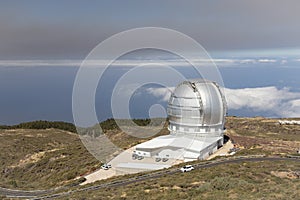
(220, 62)
(39, 29)
(277, 102)
(270, 100)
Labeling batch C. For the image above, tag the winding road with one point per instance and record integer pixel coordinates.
(48, 194)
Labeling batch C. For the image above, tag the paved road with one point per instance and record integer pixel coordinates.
(21, 193)
(46, 194)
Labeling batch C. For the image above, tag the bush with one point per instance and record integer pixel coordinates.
(43, 125)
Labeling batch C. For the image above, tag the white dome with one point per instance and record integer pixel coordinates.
(197, 106)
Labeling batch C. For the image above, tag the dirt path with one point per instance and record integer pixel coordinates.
(222, 151)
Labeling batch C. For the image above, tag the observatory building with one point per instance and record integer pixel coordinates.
(196, 112)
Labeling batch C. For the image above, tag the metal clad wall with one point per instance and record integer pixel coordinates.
(195, 106)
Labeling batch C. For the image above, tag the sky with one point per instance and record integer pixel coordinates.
(255, 44)
(70, 29)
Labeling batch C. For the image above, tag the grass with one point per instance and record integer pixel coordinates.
(251, 180)
(47, 158)
(125, 141)
(36, 159)
(261, 135)
(263, 128)
(42, 125)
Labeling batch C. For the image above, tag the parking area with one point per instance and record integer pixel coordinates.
(126, 163)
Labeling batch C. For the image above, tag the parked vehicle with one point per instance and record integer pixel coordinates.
(140, 157)
(134, 156)
(157, 159)
(106, 166)
(187, 168)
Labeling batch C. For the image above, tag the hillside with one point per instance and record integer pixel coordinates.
(45, 158)
(49, 157)
(262, 135)
(42, 154)
(42, 125)
(247, 180)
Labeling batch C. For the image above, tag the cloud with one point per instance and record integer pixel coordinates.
(46, 30)
(291, 108)
(162, 93)
(119, 62)
(269, 100)
(267, 60)
(220, 62)
(39, 63)
(279, 102)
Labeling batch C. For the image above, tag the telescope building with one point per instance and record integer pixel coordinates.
(196, 112)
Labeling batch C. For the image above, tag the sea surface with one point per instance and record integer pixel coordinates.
(45, 92)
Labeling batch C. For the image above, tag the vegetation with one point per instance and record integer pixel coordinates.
(125, 141)
(263, 128)
(248, 180)
(263, 136)
(43, 125)
(42, 154)
(122, 139)
(45, 158)
(111, 124)
(39, 155)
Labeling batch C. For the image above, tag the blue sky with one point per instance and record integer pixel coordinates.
(255, 44)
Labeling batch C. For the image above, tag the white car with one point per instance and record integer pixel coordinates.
(106, 166)
(187, 168)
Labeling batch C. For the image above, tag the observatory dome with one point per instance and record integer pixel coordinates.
(197, 107)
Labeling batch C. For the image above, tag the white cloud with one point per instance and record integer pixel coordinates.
(39, 63)
(220, 62)
(280, 102)
(276, 102)
(247, 61)
(292, 108)
(162, 93)
(267, 60)
(122, 63)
